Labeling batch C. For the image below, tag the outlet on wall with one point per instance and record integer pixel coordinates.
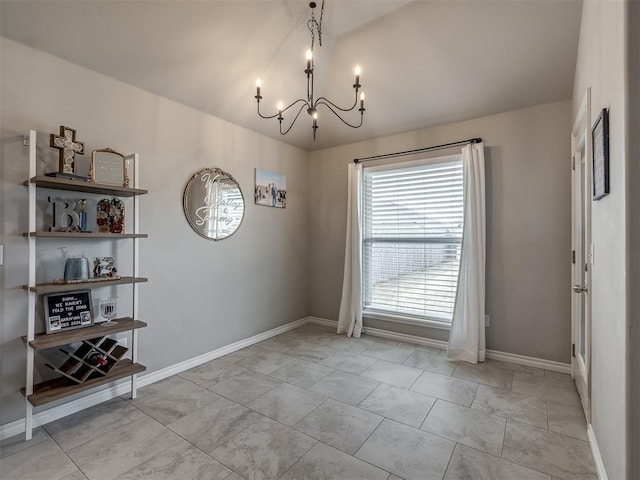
(486, 320)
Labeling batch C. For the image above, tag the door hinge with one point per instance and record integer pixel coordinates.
(573, 163)
(573, 256)
(586, 267)
(573, 349)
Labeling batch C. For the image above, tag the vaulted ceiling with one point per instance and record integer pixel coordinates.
(424, 62)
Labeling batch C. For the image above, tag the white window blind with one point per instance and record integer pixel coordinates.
(412, 234)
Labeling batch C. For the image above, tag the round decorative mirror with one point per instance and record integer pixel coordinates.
(213, 204)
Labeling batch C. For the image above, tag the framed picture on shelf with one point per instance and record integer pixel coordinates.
(108, 167)
(600, 154)
(67, 311)
(104, 267)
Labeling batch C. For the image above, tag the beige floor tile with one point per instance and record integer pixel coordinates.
(214, 424)
(446, 388)
(558, 455)
(340, 425)
(245, 387)
(486, 374)
(117, 451)
(323, 462)
(264, 451)
(392, 373)
(545, 387)
(407, 452)
(43, 460)
(180, 462)
(470, 464)
(567, 419)
(516, 406)
(465, 425)
(432, 362)
(287, 404)
(399, 404)
(172, 398)
(81, 427)
(344, 387)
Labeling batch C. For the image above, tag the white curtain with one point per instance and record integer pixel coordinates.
(467, 337)
(350, 317)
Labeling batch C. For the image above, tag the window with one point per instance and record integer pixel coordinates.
(412, 234)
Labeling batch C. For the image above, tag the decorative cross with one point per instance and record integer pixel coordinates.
(68, 146)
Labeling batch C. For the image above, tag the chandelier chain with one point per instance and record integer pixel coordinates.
(314, 25)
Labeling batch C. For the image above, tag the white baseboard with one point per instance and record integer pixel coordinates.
(597, 456)
(530, 361)
(122, 387)
(492, 354)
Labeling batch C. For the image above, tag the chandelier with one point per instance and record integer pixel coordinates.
(311, 103)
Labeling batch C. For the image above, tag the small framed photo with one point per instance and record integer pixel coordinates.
(270, 189)
(67, 311)
(104, 267)
(600, 154)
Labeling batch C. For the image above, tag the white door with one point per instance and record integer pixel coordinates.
(581, 257)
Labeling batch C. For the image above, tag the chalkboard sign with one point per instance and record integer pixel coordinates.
(66, 311)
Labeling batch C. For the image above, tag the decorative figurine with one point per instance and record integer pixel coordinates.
(68, 145)
(82, 213)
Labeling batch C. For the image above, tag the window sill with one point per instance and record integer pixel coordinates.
(389, 317)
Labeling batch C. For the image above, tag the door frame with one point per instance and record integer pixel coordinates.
(581, 145)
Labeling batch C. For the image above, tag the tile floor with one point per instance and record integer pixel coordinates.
(310, 404)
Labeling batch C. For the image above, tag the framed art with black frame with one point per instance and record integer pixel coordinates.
(600, 153)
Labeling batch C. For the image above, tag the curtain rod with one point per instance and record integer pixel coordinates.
(418, 150)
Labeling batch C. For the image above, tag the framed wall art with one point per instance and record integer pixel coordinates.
(600, 154)
(270, 189)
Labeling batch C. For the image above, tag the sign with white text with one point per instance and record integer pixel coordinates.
(66, 311)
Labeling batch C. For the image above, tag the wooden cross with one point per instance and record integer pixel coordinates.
(68, 146)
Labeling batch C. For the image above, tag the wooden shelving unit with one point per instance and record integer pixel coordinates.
(78, 373)
(42, 341)
(86, 235)
(44, 288)
(59, 388)
(84, 187)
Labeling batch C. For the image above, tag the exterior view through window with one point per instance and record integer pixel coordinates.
(412, 234)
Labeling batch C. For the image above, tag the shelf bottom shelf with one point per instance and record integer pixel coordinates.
(59, 388)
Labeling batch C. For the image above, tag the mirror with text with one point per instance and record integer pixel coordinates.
(213, 204)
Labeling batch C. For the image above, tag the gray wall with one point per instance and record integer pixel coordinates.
(528, 225)
(633, 179)
(601, 65)
(202, 294)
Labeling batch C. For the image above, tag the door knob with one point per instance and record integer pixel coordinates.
(580, 289)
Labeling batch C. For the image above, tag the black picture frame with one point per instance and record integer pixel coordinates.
(68, 311)
(600, 155)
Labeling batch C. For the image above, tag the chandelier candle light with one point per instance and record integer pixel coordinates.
(311, 103)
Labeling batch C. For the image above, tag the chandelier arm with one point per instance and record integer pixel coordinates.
(294, 120)
(283, 110)
(339, 117)
(326, 101)
(266, 116)
(306, 103)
